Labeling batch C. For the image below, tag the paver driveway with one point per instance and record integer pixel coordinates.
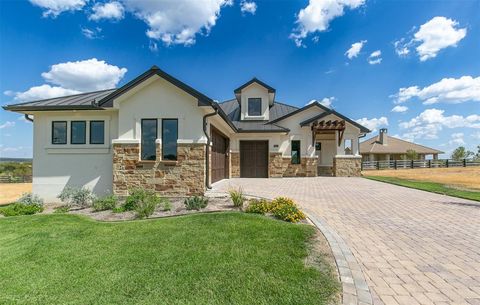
(413, 247)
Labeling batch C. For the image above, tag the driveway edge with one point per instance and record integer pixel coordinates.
(355, 290)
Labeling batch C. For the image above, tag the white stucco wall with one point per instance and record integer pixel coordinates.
(57, 166)
(254, 90)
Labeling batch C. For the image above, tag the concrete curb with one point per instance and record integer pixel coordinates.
(355, 290)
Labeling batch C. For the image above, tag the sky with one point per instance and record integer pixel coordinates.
(410, 66)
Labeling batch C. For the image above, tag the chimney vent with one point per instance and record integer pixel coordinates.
(383, 136)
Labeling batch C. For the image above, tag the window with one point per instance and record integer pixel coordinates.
(97, 132)
(295, 152)
(348, 147)
(149, 136)
(169, 139)
(59, 132)
(255, 106)
(318, 146)
(78, 131)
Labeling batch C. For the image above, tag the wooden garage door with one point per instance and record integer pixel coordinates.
(254, 159)
(219, 156)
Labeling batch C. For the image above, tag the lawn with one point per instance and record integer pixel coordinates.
(430, 187)
(217, 258)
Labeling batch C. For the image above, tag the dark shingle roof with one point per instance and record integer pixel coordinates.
(232, 109)
(77, 101)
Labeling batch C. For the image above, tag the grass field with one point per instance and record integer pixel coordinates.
(459, 182)
(9, 192)
(218, 258)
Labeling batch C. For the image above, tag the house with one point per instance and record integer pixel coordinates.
(385, 148)
(153, 132)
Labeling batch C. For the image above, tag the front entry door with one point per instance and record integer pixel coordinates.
(254, 159)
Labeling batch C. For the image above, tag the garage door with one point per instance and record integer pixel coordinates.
(219, 156)
(254, 159)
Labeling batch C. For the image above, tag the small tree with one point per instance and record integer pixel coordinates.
(461, 153)
(411, 155)
(477, 155)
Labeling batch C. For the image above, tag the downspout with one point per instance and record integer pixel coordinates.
(28, 118)
(358, 142)
(207, 148)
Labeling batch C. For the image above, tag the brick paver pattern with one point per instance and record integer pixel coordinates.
(413, 247)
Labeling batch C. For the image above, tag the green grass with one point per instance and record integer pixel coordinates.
(218, 258)
(429, 187)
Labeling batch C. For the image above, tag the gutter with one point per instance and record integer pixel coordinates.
(28, 118)
(207, 148)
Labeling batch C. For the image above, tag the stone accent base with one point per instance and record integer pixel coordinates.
(325, 171)
(183, 177)
(347, 166)
(235, 164)
(279, 166)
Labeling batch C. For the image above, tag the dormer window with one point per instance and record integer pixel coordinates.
(254, 106)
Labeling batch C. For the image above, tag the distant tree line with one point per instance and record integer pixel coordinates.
(15, 169)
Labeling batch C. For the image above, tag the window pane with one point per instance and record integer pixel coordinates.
(169, 139)
(255, 106)
(97, 132)
(78, 132)
(149, 135)
(295, 152)
(59, 132)
(348, 147)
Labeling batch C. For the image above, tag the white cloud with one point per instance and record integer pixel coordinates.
(248, 7)
(399, 108)
(448, 90)
(72, 78)
(431, 121)
(476, 135)
(355, 49)
(318, 14)
(7, 124)
(92, 33)
(433, 36)
(326, 101)
(456, 139)
(375, 58)
(85, 75)
(176, 22)
(56, 7)
(111, 10)
(373, 124)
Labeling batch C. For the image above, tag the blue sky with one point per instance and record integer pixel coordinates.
(298, 47)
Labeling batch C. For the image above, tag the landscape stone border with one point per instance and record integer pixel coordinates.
(355, 289)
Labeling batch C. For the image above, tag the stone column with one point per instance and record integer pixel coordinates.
(347, 166)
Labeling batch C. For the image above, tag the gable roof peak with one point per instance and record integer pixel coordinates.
(254, 80)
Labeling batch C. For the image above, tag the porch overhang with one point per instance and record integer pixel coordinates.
(327, 126)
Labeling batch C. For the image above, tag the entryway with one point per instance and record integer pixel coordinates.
(219, 156)
(254, 159)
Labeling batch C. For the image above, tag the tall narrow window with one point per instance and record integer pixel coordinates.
(97, 132)
(149, 135)
(59, 132)
(348, 146)
(255, 106)
(296, 152)
(169, 139)
(78, 130)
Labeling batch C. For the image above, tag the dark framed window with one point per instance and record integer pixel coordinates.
(59, 132)
(78, 132)
(255, 106)
(97, 132)
(318, 146)
(169, 139)
(296, 152)
(149, 136)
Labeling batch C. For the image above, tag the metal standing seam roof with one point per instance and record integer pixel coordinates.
(394, 146)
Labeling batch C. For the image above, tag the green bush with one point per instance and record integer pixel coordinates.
(143, 202)
(285, 209)
(17, 209)
(61, 210)
(135, 196)
(106, 203)
(165, 204)
(237, 197)
(258, 206)
(119, 209)
(29, 199)
(196, 203)
(77, 197)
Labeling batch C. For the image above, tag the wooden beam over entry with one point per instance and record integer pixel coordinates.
(330, 125)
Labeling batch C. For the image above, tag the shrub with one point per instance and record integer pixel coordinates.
(119, 209)
(285, 209)
(135, 195)
(142, 201)
(166, 204)
(61, 210)
(17, 209)
(237, 197)
(77, 197)
(258, 206)
(30, 199)
(196, 203)
(106, 203)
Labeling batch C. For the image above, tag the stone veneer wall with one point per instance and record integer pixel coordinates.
(279, 166)
(235, 164)
(347, 166)
(183, 177)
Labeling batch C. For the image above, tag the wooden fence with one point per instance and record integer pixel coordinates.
(404, 164)
(15, 179)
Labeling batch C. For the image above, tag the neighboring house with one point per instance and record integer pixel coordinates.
(153, 132)
(384, 148)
